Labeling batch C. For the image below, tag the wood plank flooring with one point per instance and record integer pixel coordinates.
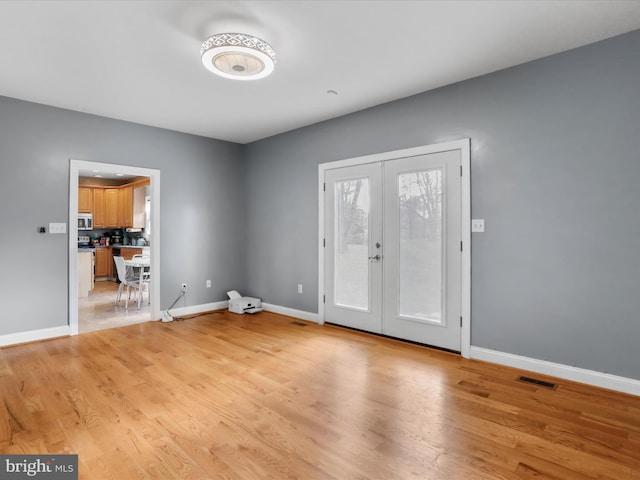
(238, 397)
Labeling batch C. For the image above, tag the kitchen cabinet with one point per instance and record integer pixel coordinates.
(111, 208)
(104, 262)
(128, 253)
(98, 208)
(85, 203)
(114, 206)
(125, 207)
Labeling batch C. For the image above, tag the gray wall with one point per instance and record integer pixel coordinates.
(555, 173)
(201, 194)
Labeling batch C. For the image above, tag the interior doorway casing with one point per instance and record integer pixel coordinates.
(76, 166)
(463, 146)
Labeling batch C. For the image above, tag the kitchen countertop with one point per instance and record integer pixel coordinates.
(128, 246)
(117, 245)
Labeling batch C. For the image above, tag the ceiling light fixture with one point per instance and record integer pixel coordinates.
(238, 56)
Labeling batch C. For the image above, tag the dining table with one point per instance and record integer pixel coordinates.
(142, 265)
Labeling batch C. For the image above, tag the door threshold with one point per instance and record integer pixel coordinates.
(389, 337)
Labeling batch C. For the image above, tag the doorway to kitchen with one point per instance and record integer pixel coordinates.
(98, 309)
(395, 236)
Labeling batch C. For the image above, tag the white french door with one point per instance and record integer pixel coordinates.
(422, 236)
(392, 260)
(353, 206)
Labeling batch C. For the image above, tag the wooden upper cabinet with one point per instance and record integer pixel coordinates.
(85, 202)
(111, 207)
(125, 207)
(98, 208)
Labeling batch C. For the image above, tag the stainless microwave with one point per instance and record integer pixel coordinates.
(85, 221)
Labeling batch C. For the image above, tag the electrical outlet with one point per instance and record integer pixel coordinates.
(184, 287)
(208, 283)
(477, 225)
(299, 288)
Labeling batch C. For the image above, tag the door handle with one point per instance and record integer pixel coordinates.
(377, 258)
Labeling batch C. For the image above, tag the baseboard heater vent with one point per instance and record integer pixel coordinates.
(299, 324)
(535, 381)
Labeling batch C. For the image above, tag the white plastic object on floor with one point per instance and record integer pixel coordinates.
(240, 304)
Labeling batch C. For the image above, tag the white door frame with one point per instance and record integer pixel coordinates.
(464, 146)
(75, 166)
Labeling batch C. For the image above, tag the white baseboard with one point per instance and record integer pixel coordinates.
(291, 312)
(34, 335)
(581, 375)
(269, 307)
(194, 309)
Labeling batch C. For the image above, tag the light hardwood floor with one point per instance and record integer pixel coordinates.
(237, 397)
(98, 311)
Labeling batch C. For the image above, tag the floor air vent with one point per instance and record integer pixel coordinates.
(535, 381)
(299, 324)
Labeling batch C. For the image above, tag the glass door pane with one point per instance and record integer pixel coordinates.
(353, 233)
(351, 282)
(420, 197)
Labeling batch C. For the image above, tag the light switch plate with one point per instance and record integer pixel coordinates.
(57, 228)
(477, 225)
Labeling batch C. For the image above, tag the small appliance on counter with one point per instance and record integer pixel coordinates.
(84, 241)
(240, 304)
(116, 238)
(135, 237)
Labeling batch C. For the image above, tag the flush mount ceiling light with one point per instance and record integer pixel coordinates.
(238, 56)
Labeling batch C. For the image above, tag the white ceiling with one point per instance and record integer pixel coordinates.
(140, 60)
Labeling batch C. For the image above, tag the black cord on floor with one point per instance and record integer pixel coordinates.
(172, 305)
(178, 319)
(201, 314)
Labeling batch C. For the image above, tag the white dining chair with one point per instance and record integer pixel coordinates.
(125, 280)
(145, 276)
